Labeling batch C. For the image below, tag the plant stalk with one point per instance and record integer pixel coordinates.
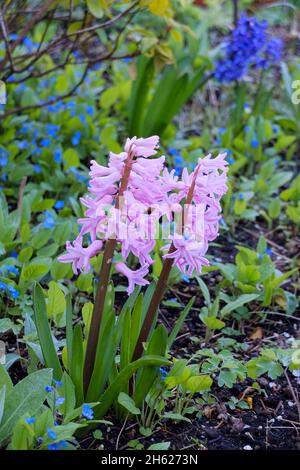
(161, 285)
(103, 282)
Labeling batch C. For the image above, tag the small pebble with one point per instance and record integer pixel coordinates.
(247, 448)
(291, 404)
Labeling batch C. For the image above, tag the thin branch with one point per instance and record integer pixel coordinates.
(54, 100)
(36, 18)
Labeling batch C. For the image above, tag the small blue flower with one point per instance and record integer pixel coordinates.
(173, 152)
(231, 160)
(45, 142)
(222, 130)
(241, 196)
(82, 118)
(36, 151)
(13, 292)
(48, 388)
(76, 138)
(52, 130)
(63, 444)
(90, 110)
(185, 278)
(254, 143)
(3, 286)
(269, 251)
(29, 420)
(87, 411)
(59, 401)
(58, 383)
(53, 446)
(12, 269)
(28, 43)
(3, 161)
(59, 205)
(57, 155)
(163, 373)
(13, 36)
(260, 256)
(51, 434)
(37, 168)
(48, 221)
(40, 440)
(23, 144)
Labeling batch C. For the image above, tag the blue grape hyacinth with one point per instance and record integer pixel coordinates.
(249, 44)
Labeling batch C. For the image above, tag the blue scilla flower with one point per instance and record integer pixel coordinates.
(3, 286)
(12, 269)
(254, 143)
(4, 177)
(87, 411)
(185, 278)
(163, 373)
(63, 444)
(48, 220)
(53, 446)
(13, 292)
(51, 434)
(13, 36)
(45, 142)
(77, 175)
(221, 130)
(37, 168)
(24, 129)
(29, 420)
(28, 43)
(173, 152)
(20, 88)
(76, 138)
(269, 251)
(82, 118)
(59, 401)
(48, 388)
(57, 155)
(59, 205)
(40, 440)
(58, 383)
(52, 130)
(241, 197)
(23, 144)
(89, 109)
(36, 151)
(3, 161)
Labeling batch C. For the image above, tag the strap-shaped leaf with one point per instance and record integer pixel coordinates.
(44, 332)
(112, 392)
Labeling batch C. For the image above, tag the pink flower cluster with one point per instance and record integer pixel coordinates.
(152, 195)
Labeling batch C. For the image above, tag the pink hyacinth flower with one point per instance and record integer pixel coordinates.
(80, 257)
(142, 147)
(134, 277)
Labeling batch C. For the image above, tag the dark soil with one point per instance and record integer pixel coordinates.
(273, 420)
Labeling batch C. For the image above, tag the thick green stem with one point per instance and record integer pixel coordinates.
(161, 285)
(103, 282)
